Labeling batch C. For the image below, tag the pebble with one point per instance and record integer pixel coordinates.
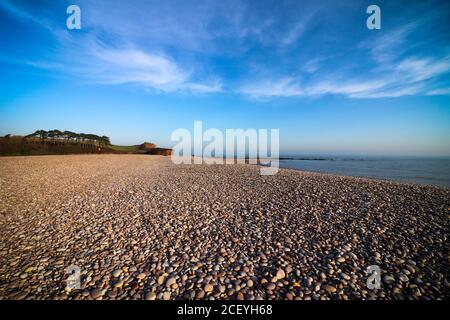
(150, 296)
(170, 281)
(403, 278)
(96, 293)
(271, 286)
(111, 293)
(140, 227)
(161, 279)
(200, 294)
(209, 288)
(388, 279)
(329, 289)
(117, 273)
(280, 274)
(141, 276)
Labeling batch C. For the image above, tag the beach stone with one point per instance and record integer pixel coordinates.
(200, 294)
(96, 293)
(161, 279)
(117, 273)
(271, 286)
(403, 278)
(142, 276)
(170, 281)
(388, 279)
(329, 289)
(346, 276)
(29, 269)
(21, 296)
(111, 293)
(280, 274)
(150, 296)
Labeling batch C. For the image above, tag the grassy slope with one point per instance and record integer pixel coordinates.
(124, 148)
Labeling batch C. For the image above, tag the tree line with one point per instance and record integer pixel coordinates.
(70, 136)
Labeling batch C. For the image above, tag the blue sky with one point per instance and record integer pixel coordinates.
(137, 70)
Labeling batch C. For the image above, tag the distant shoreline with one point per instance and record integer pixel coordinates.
(431, 171)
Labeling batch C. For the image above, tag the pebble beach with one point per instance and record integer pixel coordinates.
(140, 227)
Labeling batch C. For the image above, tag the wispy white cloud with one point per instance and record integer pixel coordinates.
(36, 17)
(99, 64)
(312, 65)
(407, 90)
(165, 50)
(351, 89)
(290, 87)
(392, 74)
(296, 31)
(17, 11)
(409, 77)
(418, 69)
(118, 66)
(114, 62)
(388, 46)
(285, 87)
(44, 64)
(213, 86)
(439, 92)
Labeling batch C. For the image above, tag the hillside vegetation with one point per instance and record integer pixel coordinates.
(56, 142)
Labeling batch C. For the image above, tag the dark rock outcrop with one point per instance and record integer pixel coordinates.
(150, 148)
(160, 152)
(146, 146)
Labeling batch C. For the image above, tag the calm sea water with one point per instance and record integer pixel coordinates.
(424, 171)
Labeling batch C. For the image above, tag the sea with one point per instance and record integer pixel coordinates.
(426, 171)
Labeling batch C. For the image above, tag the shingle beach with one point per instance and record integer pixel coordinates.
(140, 227)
